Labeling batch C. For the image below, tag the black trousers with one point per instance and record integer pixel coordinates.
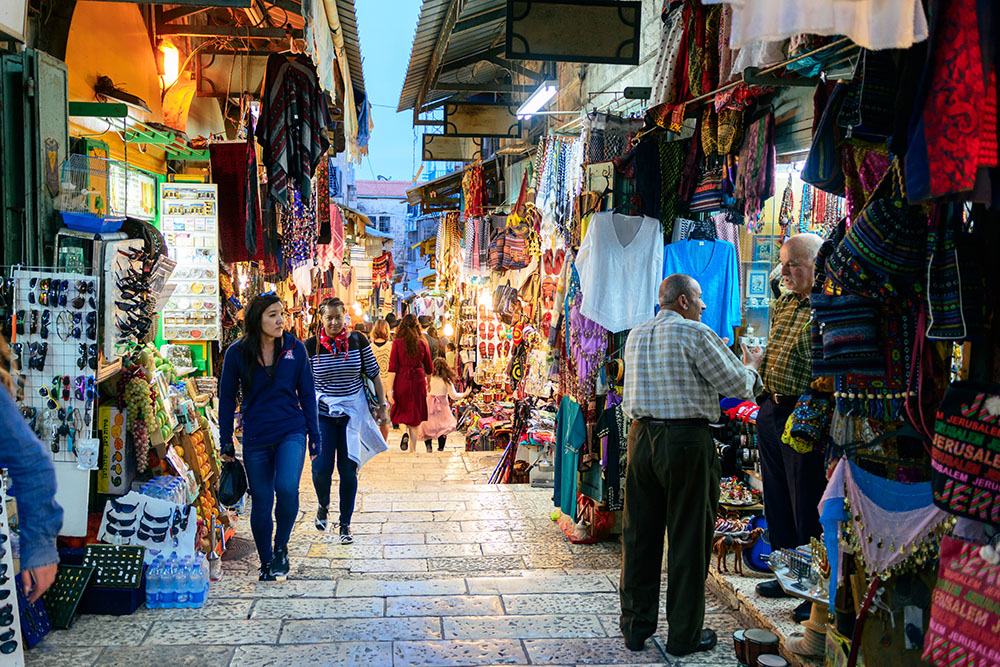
(671, 484)
(793, 482)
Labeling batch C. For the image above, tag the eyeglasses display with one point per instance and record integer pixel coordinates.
(190, 230)
(10, 616)
(56, 356)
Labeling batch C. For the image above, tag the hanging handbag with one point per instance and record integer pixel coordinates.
(494, 255)
(883, 254)
(824, 164)
(964, 607)
(504, 300)
(713, 191)
(965, 453)
(232, 483)
(515, 248)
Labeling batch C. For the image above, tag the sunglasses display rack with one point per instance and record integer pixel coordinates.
(160, 525)
(127, 306)
(11, 650)
(35, 623)
(56, 355)
(63, 596)
(190, 226)
(115, 565)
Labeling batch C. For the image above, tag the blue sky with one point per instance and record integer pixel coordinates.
(385, 29)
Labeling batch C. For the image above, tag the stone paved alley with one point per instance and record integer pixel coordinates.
(446, 570)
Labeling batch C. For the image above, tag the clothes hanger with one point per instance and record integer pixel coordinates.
(606, 175)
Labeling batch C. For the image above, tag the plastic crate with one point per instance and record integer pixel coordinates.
(82, 222)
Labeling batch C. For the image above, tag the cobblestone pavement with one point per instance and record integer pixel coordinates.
(445, 570)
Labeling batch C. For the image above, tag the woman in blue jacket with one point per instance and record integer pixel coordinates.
(271, 368)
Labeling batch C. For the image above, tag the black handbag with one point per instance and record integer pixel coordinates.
(232, 483)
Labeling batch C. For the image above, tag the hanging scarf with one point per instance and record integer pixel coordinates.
(336, 345)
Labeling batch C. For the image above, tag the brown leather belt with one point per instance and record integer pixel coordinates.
(697, 421)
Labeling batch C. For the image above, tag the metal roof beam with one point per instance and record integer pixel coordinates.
(456, 65)
(481, 18)
(514, 67)
(480, 87)
(287, 5)
(227, 31)
(437, 54)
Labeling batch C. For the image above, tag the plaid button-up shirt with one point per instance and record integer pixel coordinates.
(676, 369)
(787, 367)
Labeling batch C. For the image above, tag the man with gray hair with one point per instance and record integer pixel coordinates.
(793, 482)
(675, 369)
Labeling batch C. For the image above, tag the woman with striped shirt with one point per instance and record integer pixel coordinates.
(349, 436)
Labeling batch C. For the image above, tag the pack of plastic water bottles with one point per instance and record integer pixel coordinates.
(166, 487)
(177, 583)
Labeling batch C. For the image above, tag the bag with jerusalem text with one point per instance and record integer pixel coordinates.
(965, 454)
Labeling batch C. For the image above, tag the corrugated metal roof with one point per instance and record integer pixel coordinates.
(349, 23)
(462, 44)
(385, 189)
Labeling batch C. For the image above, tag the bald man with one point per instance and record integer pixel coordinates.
(675, 369)
(793, 482)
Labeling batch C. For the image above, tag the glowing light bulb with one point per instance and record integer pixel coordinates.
(448, 330)
(171, 63)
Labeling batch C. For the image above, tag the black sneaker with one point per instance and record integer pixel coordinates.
(265, 573)
(405, 442)
(345, 534)
(279, 563)
(321, 519)
(429, 446)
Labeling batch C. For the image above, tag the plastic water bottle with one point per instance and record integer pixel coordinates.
(199, 581)
(170, 584)
(183, 583)
(154, 584)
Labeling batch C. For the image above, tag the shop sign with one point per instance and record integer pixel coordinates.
(445, 148)
(481, 120)
(580, 31)
(137, 196)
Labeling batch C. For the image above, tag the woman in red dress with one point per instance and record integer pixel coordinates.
(409, 366)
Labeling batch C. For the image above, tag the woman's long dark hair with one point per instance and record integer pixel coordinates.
(409, 333)
(251, 343)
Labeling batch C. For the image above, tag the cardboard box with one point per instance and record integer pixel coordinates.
(117, 467)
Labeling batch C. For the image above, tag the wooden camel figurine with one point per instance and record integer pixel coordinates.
(724, 544)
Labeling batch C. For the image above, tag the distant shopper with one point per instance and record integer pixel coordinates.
(393, 323)
(382, 348)
(341, 363)
(430, 335)
(409, 366)
(440, 418)
(271, 368)
(451, 356)
(33, 483)
(677, 367)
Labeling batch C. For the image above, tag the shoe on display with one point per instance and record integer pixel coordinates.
(279, 563)
(707, 643)
(802, 612)
(321, 519)
(265, 573)
(345, 534)
(771, 589)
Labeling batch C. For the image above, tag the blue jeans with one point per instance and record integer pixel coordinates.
(274, 471)
(333, 449)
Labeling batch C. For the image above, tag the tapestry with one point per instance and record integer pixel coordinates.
(965, 456)
(965, 609)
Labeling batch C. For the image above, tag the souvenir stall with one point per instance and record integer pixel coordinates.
(745, 144)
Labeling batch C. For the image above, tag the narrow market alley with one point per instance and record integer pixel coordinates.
(446, 570)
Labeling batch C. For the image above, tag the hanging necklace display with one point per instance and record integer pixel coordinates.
(787, 204)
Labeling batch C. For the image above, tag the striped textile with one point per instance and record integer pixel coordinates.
(336, 376)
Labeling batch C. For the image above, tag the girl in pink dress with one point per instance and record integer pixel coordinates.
(440, 418)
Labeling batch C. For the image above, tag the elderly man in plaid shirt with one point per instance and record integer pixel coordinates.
(675, 369)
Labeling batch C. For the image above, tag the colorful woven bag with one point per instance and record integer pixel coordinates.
(883, 254)
(824, 165)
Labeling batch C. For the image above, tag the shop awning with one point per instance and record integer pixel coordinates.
(457, 51)
(445, 193)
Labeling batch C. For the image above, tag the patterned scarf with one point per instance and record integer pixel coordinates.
(672, 155)
(336, 345)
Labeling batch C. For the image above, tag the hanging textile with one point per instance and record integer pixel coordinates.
(298, 228)
(890, 526)
(293, 125)
(382, 270)
(755, 176)
(239, 204)
(668, 62)
(965, 612)
(473, 192)
(322, 186)
(672, 154)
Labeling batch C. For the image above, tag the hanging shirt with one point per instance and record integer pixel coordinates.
(571, 434)
(619, 266)
(714, 265)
